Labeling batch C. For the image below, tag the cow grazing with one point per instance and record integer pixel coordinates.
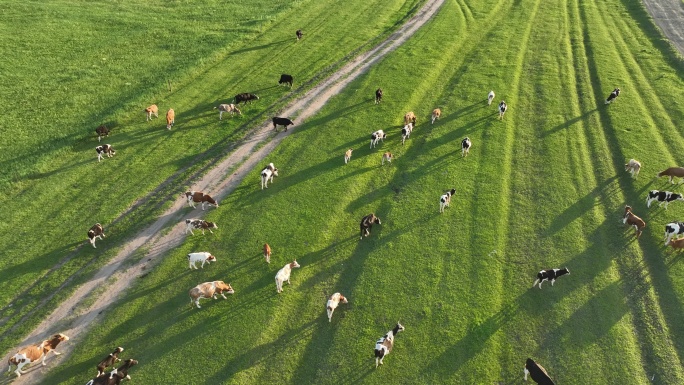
(299, 34)
(151, 110)
(269, 172)
(286, 79)
(445, 199)
(199, 197)
(170, 118)
(199, 224)
(677, 244)
(537, 372)
(406, 132)
(230, 108)
(347, 156)
(332, 304)
(673, 172)
(436, 114)
(284, 275)
(209, 290)
(633, 166)
(108, 361)
(490, 97)
(105, 149)
(246, 97)
(367, 223)
(387, 157)
(101, 131)
(378, 96)
(267, 252)
(613, 95)
(502, 109)
(465, 146)
(95, 232)
(117, 375)
(550, 275)
(377, 136)
(632, 220)
(673, 229)
(662, 197)
(281, 122)
(34, 353)
(410, 117)
(204, 257)
(384, 345)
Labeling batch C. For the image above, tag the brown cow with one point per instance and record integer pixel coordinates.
(116, 376)
(95, 232)
(101, 131)
(152, 110)
(108, 361)
(209, 290)
(677, 244)
(267, 252)
(170, 118)
(197, 197)
(34, 353)
(671, 172)
(633, 220)
(410, 117)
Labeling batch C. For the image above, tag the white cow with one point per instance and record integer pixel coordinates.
(204, 257)
(268, 173)
(334, 300)
(284, 275)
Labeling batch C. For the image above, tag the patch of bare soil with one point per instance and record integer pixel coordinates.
(85, 305)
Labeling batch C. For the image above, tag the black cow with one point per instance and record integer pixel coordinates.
(281, 122)
(287, 79)
(613, 95)
(662, 197)
(299, 34)
(245, 98)
(101, 131)
(550, 275)
(367, 223)
(537, 372)
(378, 95)
(108, 361)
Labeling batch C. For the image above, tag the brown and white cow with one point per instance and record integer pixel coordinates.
(95, 232)
(199, 224)
(199, 197)
(116, 376)
(152, 110)
(347, 155)
(230, 108)
(209, 290)
(267, 252)
(105, 149)
(170, 118)
(632, 220)
(332, 304)
(204, 257)
(108, 361)
(410, 117)
(34, 353)
(387, 157)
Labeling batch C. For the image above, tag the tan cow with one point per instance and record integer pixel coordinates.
(152, 110)
(387, 157)
(209, 290)
(436, 113)
(267, 252)
(677, 244)
(34, 353)
(170, 118)
(410, 117)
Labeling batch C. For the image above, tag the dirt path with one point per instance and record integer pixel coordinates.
(669, 16)
(74, 315)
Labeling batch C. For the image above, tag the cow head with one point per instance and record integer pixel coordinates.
(294, 264)
(376, 220)
(212, 225)
(224, 287)
(343, 299)
(211, 258)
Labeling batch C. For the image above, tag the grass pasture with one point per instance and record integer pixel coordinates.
(543, 188)
(71, 66)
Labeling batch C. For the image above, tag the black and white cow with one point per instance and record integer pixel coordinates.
(299, 34)
(550, 275)
(613, 95)
(406, 132)
(103, 150)
(673, 229)
(662, 197)
(287, 79)
(445, 199)
(367, 223)
(385, 344)
(378, 95)
(465, 146)
(96, 232)
(502, 109)
(199, 224)
(268, 173)
(537, 372)
(281, 122)
(377, 136)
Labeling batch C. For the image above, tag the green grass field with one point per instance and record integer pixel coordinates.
(543, 188)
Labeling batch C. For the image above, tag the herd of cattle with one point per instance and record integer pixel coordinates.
(385, 344)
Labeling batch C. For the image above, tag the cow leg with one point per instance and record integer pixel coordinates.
(552, 281)
(224, 296)
(535, 283)
(202, 206)
(220, 115)
(190, 230)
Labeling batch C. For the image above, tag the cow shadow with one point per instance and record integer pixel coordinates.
(259, 47)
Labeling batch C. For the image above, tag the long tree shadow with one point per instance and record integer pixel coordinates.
(569, 123)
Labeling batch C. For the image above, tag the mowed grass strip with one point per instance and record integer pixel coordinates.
(57, 189)
(543, 189)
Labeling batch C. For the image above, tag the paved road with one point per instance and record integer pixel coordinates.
(669, 16)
